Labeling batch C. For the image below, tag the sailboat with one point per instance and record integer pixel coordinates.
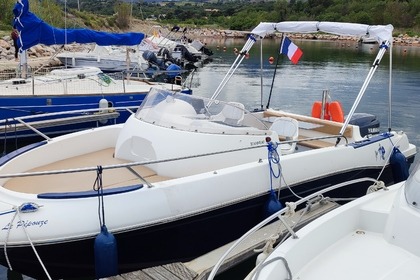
(71, 88)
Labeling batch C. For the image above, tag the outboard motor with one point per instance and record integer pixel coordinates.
(174, 71)
(164, 52)
(186, 54)
(206, 51)
(367, 123)
(152, 59)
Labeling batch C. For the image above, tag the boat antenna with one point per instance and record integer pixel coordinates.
(261, 76)
(275, 71)
(390, 87)
(382, 49)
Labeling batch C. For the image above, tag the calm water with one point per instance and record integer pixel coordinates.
(339, 67)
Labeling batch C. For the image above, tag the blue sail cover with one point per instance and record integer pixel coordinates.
(33, 31)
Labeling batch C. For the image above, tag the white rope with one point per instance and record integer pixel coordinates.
(291, 208)
(7, 239)
(33, 248)
(375, 187)
(266, 250)
(17, 213)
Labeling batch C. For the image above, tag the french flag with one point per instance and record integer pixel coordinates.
(291, 50)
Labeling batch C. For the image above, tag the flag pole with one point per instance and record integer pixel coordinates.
(275, 71)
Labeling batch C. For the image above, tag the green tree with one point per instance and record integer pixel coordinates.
(49, 11)
(397, 13)
(6, 16)
(282, 10)
(123, 14)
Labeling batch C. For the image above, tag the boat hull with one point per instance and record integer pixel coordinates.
(14, 107)
(32, 105)
(176, 241)
(105, 64)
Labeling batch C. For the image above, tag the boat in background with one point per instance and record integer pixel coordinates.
(372, 237)
(106, 58)
(367, 40)
(69, 88)
(180, 171)
(185, 52)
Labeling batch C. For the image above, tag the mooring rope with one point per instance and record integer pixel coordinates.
(273, 158)
(25, 208)
(99, 188)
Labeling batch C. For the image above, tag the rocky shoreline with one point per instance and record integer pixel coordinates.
(44, 55)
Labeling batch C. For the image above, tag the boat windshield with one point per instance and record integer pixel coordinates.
(412, 187)
(186, 112)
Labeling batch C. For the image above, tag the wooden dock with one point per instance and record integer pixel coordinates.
(201, 267)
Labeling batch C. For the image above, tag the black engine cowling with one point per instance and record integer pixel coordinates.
(368, 123)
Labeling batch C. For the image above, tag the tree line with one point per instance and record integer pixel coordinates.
(236, 15)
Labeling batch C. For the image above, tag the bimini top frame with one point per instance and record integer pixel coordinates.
(381, 33)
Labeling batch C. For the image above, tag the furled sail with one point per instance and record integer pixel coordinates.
(33, 31)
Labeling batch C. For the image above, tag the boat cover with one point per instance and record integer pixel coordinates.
(33, 31)
(380, 32)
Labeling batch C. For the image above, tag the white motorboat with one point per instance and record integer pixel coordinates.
(368, 40)
(182, 50)
(174, 175)
(372, 237)
(180, 171)
(107, 58)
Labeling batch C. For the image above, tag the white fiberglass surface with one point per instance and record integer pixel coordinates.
(412, 188)
(196, 114)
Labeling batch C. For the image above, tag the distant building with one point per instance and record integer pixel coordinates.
(211, 10)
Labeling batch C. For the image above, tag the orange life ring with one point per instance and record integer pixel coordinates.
(336, 111)
(317, 108)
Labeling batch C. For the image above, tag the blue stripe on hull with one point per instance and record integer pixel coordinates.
(33, 105)
(12, 107)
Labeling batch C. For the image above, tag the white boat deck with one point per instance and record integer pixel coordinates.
(83, 181)
(19, 87)
(348, 259)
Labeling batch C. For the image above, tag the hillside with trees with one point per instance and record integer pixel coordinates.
(235, 15)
